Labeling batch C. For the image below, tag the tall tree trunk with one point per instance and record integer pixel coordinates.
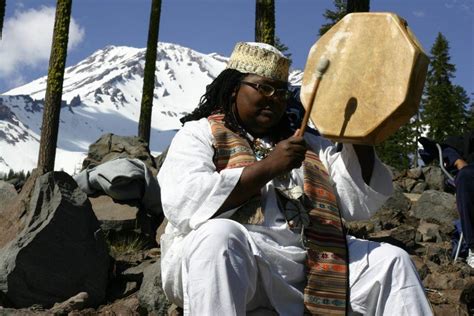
(265, 21)
(54, 88)
(144, 123)
(3, 4)
(358, 6)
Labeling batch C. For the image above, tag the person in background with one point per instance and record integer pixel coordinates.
(254, 210)
(463, 170)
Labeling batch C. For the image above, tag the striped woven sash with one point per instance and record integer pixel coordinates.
(326, 292)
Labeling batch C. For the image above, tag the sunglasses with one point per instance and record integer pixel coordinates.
(268, 90)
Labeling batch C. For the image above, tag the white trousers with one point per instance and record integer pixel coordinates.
(221, 276)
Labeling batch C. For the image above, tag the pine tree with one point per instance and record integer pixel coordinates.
(54, 87)
(144, 123)
(283, 48)
(443, 103)
(470, 117)
(333, 16)
(11, 174)
(3, 4)
(343, 7)
(461, 100)
(265, 21)
(399, 150)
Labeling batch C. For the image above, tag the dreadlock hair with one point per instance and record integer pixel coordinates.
(218, 98)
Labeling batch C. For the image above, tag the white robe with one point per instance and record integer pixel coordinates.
(192, 191)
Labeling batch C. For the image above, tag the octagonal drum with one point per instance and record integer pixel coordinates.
(374, 81)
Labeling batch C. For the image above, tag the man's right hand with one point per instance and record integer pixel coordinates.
(287, 155)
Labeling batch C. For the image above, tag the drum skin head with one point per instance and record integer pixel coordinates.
(374, 81)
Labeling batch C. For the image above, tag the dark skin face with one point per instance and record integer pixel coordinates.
(257, 113)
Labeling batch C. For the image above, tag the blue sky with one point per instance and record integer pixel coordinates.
(210, 26)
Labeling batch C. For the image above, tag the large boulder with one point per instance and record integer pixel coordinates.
(51, 245)
(110, 146)
(436, 205)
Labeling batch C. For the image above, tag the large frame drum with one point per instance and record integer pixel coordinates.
(374, 81)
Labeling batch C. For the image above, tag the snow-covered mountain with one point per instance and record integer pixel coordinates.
(102, 94)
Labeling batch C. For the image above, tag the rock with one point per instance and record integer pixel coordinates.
(446, 231)
(414, 173)
(77, 302)
(56, 248)
(387, 219)
(360, 229)
(397, 202)
(160, 159)
(428, 232)
(413, 197)
(402, 236)
(467, 297)
(419, 187)
(7, 192)
(151, 294)
(110, 146)
(445, 281)
(421, 266)
(408, 184)
(12, 219)
(24, 312)
(435, 253)
(397, 186)
(396, 174)
(175, 310)
(4, 301)
(434, 177)
(115, 215)
(126, 306)
(435, 205)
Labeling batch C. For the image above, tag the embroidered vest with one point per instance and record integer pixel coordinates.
(326, 291)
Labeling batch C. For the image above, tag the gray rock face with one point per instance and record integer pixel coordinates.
(151, 295)
(440, 206)
(59, 250)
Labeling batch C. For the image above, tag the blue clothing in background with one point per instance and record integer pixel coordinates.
(465, 202)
